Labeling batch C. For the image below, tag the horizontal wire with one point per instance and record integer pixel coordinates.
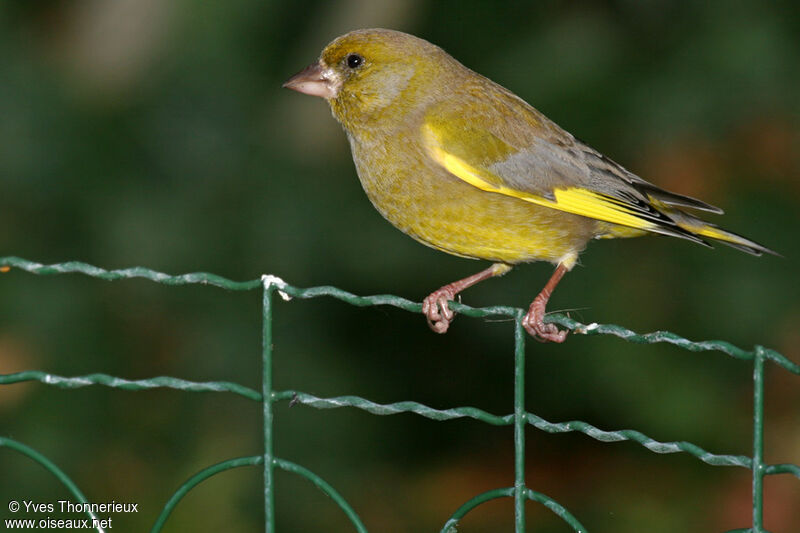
(76, 267)
(204, 278)
(166, 382)
(392, 408)
(653, 445)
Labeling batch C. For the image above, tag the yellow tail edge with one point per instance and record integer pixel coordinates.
(727, 237)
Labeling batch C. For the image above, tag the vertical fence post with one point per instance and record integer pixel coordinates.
(758, 440)
(266, 391)
(520, 421)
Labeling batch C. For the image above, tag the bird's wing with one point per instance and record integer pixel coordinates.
(534, 160)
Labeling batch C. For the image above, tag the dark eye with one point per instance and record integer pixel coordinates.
(354, 61)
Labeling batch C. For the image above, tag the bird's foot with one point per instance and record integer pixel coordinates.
(533, 322)
(436, 309)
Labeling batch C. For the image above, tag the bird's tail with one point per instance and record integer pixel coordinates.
(701, 228)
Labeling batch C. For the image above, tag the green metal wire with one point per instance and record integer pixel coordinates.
(782, 469)
(396, 408)
(576, 327)
(520, 422)
(758, 442)
(557, 508)
(195, 480)
(266, 394)
(194, 278)
(461, 512)
(51, 467)
(164, 382)
(326, 488)
(255, 460)
(519, 419)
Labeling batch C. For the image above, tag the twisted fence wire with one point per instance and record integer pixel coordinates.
(519, 419)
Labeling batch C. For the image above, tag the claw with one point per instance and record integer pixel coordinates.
(533, 322)
(437, 311)
(435, 307)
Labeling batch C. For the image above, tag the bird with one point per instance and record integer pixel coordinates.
(465, 166)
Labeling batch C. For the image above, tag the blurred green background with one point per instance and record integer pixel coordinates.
(153, 133)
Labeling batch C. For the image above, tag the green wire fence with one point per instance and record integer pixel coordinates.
(519, 419)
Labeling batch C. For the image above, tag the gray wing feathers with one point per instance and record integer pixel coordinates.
(562, 161)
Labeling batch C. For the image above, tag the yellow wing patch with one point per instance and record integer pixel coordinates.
(574, 200)
(599, 206)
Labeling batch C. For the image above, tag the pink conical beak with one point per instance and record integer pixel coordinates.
(312, 80)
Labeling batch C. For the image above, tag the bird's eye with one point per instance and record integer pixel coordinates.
(354, 60)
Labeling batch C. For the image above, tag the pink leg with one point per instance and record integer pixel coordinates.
(533, 320)
(435, 307)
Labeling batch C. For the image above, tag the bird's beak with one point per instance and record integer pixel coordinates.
(315, 80)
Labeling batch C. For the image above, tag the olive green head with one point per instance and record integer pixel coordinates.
(373, 72)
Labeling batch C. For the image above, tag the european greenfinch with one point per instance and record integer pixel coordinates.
(465, 166)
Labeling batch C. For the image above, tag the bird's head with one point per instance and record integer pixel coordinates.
(369, 72)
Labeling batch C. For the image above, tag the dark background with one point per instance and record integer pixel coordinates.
(143, 132)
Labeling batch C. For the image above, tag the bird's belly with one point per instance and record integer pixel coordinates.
(450, 215)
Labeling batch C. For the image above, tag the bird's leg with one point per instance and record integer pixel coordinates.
(435, 307)
(533, 320)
